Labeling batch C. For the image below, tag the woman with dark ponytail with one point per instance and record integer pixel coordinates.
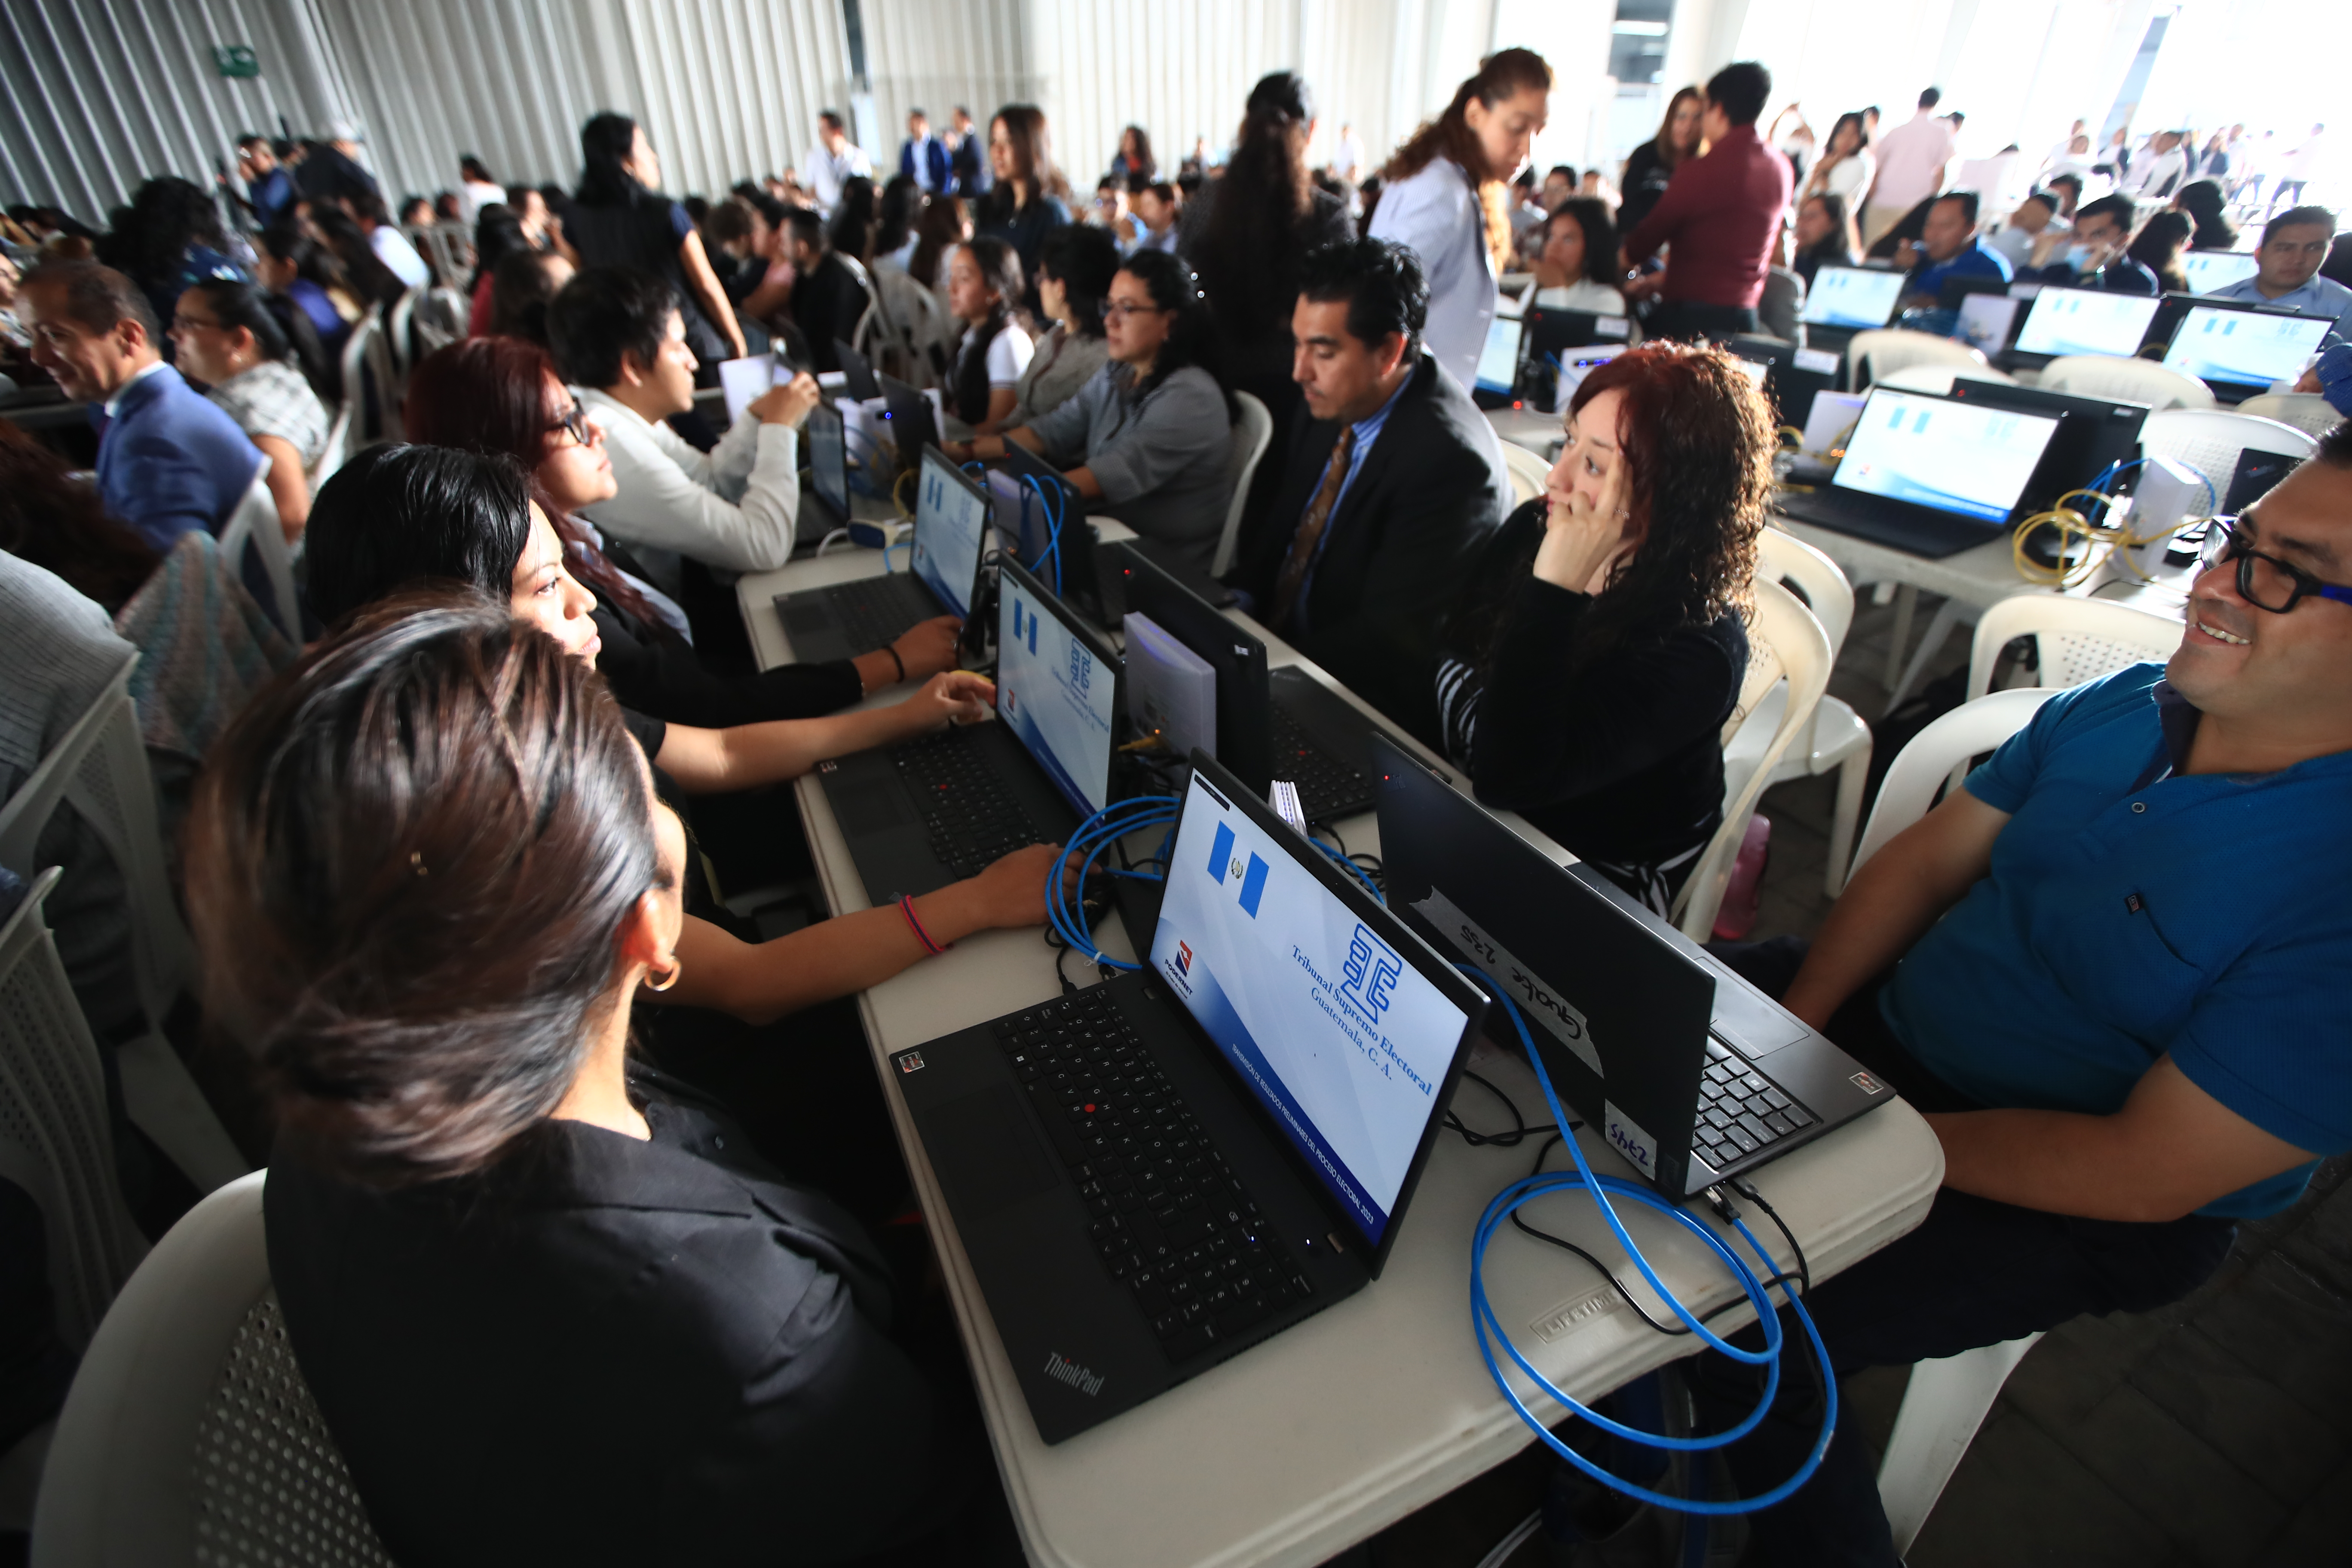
(1245, 232)
(1443, 195)
(984, 286)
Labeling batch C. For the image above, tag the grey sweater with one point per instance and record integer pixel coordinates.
(1163, 461)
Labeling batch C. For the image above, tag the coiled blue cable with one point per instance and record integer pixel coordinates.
(1094, 836)
(1489, 1328)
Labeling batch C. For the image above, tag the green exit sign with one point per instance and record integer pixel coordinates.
(235, 60)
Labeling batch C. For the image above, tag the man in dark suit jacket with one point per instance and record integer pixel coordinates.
(1389, 488)
(923, 158)
(169, 460)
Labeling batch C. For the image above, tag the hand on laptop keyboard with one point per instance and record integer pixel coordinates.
(929, 646)
(958, 697)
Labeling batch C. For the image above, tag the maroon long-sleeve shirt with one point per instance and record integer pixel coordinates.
(1720, 215)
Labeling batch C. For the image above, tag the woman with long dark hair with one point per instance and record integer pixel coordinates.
(1577, 269)
(853, 217)
(1133, 160)
(1074, 276)
(2157, 248)
(370, 280)
(983, 285)
(1444, 195)
(498, 234)
(894, 226)
(228, 337)
(943, 225)
(1245, 232)
(502, 396)
(1586, 675)
(1847, 164)
(1654, 163)
(2203, 202)
(1029, 197)
(1825, 235)
(552, 1304)
(1150, 437)
(619, 219)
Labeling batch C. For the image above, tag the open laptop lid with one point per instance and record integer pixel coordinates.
(2085, 321)
(950, 524)
(1987, 320)
(2245, 351)
(1244, 695)
(1497, 375)
(856, 371)
(1348, 1028)
(912, 428)
(1620, 1018)
(2094, 433)
(828, 447)
(1966, 459)
(2210, 271)
(1859, 297)
(1058, 688)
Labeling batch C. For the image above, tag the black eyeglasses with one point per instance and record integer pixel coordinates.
(575, 423)
(2264, 582)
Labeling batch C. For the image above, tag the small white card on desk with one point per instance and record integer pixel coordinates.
(1820, 360)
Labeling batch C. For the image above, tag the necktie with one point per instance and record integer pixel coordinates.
(1311, 527)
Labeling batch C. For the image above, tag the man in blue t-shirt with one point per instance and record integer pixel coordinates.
(2108, 972)
(1949, 248)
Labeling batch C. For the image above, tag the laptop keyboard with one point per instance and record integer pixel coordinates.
(872, 612)
(1170, 1220)
(1739, 1112)
(972, 818)
(1328, 787)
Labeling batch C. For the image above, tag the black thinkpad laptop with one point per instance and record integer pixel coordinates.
(858, 372)
(2064, 321)
(912, 428)
(1690, 1072)
(1271, 725)
(847, 619)
(1930, 475)
(933, 811)
(1156, 1174)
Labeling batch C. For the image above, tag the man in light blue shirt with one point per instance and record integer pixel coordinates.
(2294, 245)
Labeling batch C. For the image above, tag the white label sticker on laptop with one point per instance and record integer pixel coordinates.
(1625, 1136)
(1820, 360)
(1556, 1016)
(1612, 327)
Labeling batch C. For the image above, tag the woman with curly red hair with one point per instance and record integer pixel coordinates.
(1586, 675)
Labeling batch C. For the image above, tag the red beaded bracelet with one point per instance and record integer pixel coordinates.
(906, 908)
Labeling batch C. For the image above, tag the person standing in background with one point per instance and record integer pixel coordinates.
(477, 190)
(621, 220)
(1721, 216)
(1644, 179)
(1443, 197)
(1028, 199)
(1847, 166)
(1348, 157)
(833, 162)
(923, 158)
(2295, 171)
(1911, 162)
(968, 156)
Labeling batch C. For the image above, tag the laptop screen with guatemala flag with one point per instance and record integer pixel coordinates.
(1330, 1015)
(1056, 689)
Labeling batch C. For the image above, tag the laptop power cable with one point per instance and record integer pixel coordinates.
(1755, 1288)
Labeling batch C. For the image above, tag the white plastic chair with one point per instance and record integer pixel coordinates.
(2211, 440)
(396, 329)
(1938, 378)
(100, 767)
(367, 362)
(2129, 380)
(1837, 741)
(2306, 411)
(2074, 640)
(1785, 643)
(331, 456)
(1253, 434)
(255, 522)
(189, 1433)
(1529, 473)
(54, 1137)
(1872, 355)
(1948, 1398)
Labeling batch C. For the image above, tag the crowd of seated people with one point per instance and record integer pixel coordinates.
(534, 557)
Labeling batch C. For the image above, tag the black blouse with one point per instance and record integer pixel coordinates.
(663, 678)
(1622, 763)
(613, 1352)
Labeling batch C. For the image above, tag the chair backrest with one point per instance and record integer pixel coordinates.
(2211, 440)
(2074, 640)
(1253, 434)
(1922, 767)
(1937, 378)
(189, 1433)
(1881, 352)
(1529, 473)
(1820, 582)
(331, 456)
(1785, 643)
(440, 319)
(55, 1137)
(396, 334)
(27, 810)
(1781, 311)
(914, 324)
(2129, 380)
(255, 523)
(367, 371)
(2306, 411)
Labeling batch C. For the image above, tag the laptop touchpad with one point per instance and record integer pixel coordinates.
(865, 812)
(985, 1148)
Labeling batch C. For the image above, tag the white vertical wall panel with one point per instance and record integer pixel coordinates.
(98, 95)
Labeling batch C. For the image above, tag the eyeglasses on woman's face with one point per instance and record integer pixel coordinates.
(1120, 309)
(574, 423)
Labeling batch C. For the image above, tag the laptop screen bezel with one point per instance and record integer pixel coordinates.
(1431, 964)
(1893, 302)
(2223, 308)
(1990, 524)
(1245, 685)
(979, 552)
(822, 415)
(1104, 655)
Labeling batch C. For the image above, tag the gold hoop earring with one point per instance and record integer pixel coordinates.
(677, 968)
